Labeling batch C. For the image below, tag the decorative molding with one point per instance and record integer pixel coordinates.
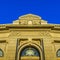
(30, 17)
(2, 41)
(56, 41)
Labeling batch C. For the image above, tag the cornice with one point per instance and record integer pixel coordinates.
(17, 26)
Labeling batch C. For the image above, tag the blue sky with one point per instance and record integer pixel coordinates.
(49, 10)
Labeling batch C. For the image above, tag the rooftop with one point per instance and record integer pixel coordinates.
(30, 20)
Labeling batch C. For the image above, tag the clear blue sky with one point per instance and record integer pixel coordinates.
(48, 9)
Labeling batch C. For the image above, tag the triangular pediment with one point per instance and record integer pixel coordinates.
(30, 19)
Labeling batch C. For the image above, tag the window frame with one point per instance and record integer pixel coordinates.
(26, 48)
(57, 52)
(2, 52)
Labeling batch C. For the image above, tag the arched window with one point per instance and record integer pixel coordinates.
(1, 53)
(58, 53)
(30, 51)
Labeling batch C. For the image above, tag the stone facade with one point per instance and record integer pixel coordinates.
(30, 38)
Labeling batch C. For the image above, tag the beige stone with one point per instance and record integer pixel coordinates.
(19, 39)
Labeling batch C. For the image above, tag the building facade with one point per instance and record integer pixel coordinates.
(30, 38)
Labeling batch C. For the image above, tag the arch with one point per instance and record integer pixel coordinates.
(58, 53)
(26, 45)
(1, 53)
(30, 51)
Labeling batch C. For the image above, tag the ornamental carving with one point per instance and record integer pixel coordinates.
(30, 19)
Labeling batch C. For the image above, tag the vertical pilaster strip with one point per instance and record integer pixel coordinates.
(43, 53)
(16, 54)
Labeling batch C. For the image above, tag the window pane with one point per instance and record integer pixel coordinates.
(58, 53)
(1, 53)
(30, 51)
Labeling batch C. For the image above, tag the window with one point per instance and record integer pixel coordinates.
(30, 51)
(58, 53)
(1, 53)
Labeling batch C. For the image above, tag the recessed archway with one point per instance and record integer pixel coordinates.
(30, 53)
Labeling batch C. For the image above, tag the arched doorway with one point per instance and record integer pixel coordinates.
(30, 53)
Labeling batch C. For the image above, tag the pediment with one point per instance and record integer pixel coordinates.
(30, 19)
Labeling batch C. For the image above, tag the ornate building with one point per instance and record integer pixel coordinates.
(30, 38)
